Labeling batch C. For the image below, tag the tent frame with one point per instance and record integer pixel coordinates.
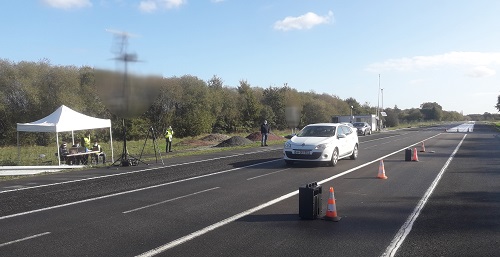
(48, 124)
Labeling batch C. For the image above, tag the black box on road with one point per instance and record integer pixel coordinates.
(408, 155)
(310, 201)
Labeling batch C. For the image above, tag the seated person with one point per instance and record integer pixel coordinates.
(63, 151)
(98, 147)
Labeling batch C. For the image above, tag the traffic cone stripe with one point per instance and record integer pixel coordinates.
(331, 210)
(381, 170)
(415, 157)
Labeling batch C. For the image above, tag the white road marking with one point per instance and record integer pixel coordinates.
(406, 228)
(169, 200)
(24, 239)
(131, 191)
(267, 174)
(221, 223)
(136, 171)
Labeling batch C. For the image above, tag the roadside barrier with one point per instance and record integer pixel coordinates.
(415, 156)
(331, 209)
(381, 170)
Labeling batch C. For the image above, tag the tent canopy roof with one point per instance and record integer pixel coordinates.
(64, 119)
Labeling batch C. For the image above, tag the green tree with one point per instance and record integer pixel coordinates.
(432, 111)
(250, 107)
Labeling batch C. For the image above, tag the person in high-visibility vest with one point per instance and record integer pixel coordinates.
(169, 133)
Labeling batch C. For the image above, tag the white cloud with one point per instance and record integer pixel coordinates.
(153, 5)
(469, 59)
(305, 21)
(68, 4)
(481, 72)
(148, 6)
(218, 1)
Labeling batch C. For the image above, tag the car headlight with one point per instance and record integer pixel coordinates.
(320, 147)
(288, 145)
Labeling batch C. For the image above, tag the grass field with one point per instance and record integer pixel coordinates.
(45, 155)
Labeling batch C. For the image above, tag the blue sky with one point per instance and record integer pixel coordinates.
(444, 51)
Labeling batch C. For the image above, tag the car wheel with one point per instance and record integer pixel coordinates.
(370, 132)
(288, 162)
(354, 154)
(364, 133)
(335, 157)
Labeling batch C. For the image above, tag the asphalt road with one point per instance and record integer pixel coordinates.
(245, 203)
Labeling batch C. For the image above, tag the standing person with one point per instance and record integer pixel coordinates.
(264, 130)
(169, 133)
(85, 141)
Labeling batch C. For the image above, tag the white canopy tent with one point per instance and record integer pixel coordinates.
(64, 119)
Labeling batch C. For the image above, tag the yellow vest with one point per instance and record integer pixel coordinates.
(168, 134)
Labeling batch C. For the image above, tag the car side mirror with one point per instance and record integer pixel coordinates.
(341, 135)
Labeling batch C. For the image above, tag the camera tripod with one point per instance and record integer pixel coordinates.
(155, 145)
(126, 159)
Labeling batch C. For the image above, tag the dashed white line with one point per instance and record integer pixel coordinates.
(221, 223)
(24, 239)
(131, 191)
(169, 200)
(267, 174)
(136, 171)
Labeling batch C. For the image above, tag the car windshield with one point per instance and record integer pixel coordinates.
(358, 124)
(317, 131)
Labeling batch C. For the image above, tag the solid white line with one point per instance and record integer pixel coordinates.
(221, 223)
(131, 191)
(406, 228)
(137, 171)
(169, 200)
(24, 239)
(267, 174)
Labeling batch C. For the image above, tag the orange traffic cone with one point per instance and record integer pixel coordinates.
(381, 170)
(415, 157)
(331, 210)
(423, 147)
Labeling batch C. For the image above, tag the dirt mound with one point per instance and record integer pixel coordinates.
(194, 142)
(234, 141)
(215, 137)
(257, 136)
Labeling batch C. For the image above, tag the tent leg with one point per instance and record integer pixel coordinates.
(58, 152)
(111, 139)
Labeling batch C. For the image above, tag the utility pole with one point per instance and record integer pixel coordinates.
(378, 104)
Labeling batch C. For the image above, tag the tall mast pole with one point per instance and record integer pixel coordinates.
(378, 104)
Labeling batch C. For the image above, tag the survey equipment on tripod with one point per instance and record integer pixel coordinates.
(125, 94)
(151, 132)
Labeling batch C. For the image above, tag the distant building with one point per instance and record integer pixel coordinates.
(370, 119)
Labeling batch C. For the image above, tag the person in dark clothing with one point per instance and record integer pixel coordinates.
(265, 129)
(63, 151)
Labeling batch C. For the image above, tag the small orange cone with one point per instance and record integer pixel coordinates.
(331, 209)
(423, 147)
(381, 170)
(415, 157)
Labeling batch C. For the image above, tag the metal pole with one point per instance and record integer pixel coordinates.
(382, 90)
(378, 104)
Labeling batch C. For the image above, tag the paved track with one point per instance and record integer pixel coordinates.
(245, 203)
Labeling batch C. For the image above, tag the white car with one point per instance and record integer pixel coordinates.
(322, 142)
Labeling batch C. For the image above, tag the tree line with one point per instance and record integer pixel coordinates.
(30, 91)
